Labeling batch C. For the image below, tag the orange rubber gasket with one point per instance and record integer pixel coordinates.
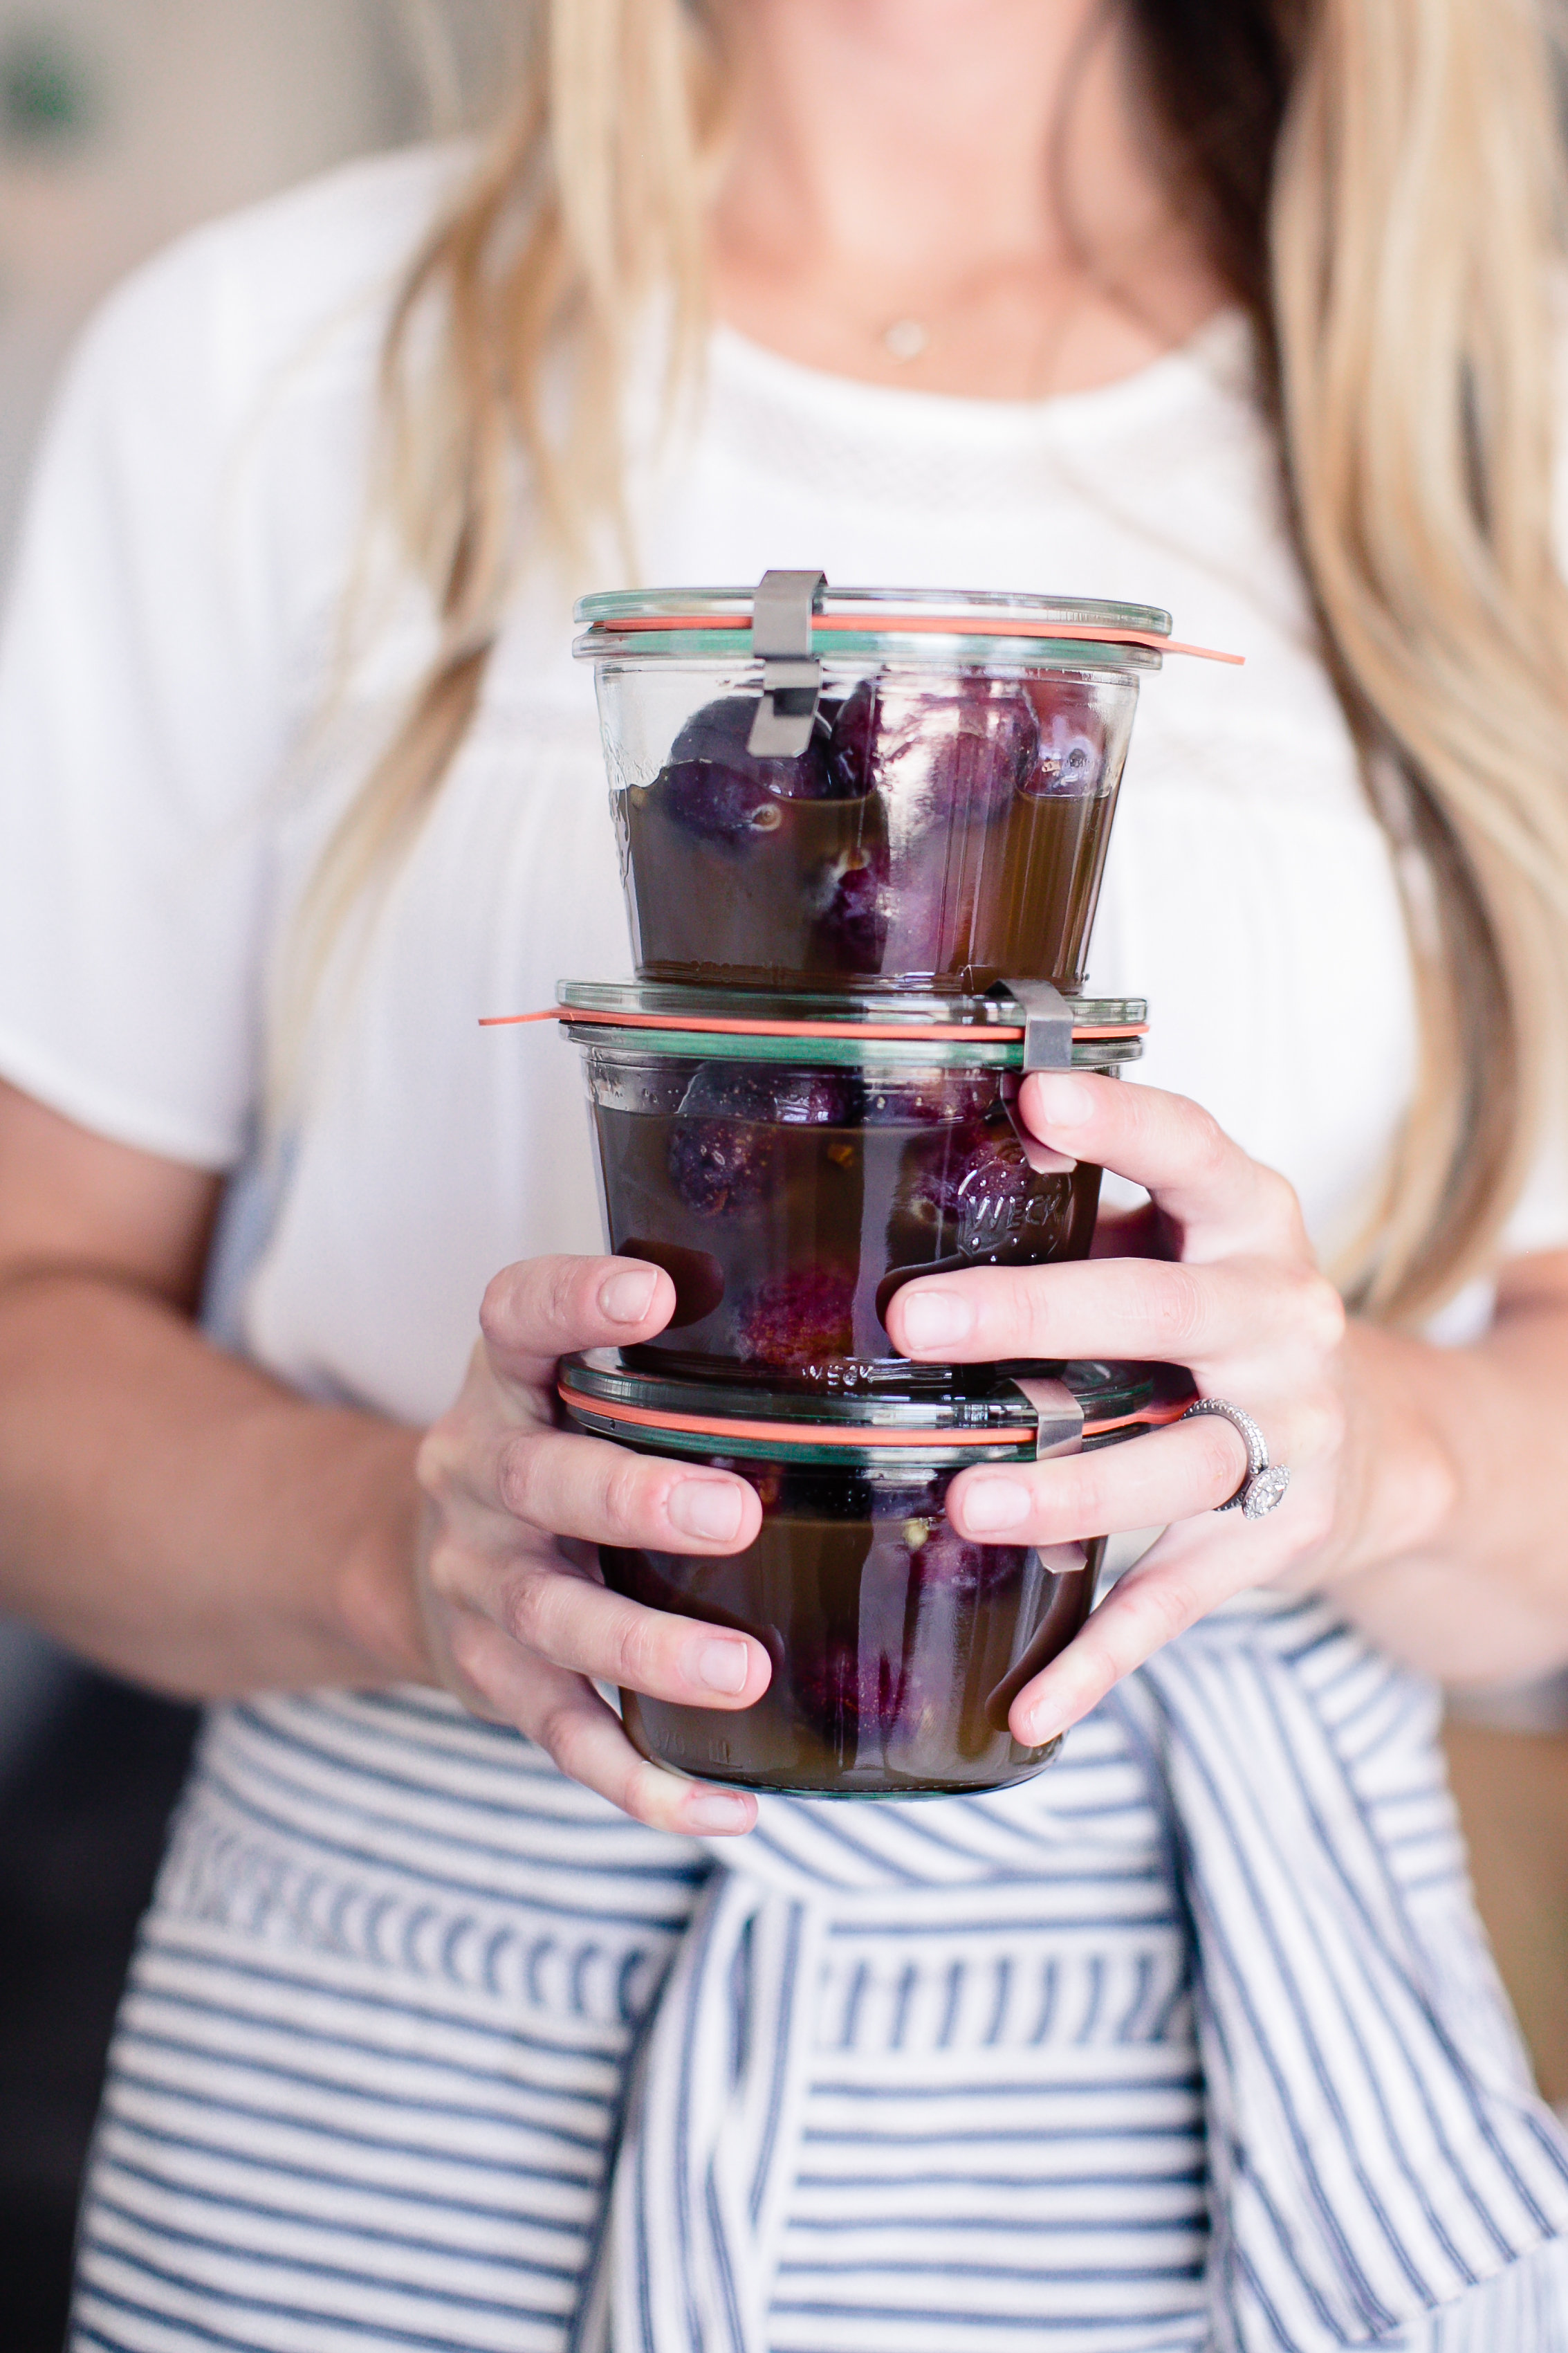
(930, 624)
(692, 1425)
(878, 1032)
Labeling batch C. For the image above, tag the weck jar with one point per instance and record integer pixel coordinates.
(940, 810)
(793, 1162)
(898, 1647)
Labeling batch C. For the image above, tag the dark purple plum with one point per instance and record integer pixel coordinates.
(723, 1152)
(715, 788)
(956, 753)
(799, 1318)
(1072, 740)
(698, 1277)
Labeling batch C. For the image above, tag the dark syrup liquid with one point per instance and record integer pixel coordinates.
(1008, 897)
(896, 1649)
(796, 1276)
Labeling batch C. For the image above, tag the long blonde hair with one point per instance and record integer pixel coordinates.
(1382, 184)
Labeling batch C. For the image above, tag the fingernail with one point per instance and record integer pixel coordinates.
(713, 1812)
(706, 1508)
(723, 1666)
(994, 1504)
(1059, 1102)
(628, 1298)
(1038, 1729)
(935, 1319)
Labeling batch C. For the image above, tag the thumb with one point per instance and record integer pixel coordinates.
(546, 1308)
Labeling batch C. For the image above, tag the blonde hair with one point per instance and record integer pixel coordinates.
(1397, 243)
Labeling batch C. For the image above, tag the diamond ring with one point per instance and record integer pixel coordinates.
(1265, 1483)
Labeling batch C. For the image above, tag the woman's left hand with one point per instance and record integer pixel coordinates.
(1240, 1302)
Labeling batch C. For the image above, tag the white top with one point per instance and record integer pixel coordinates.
(166, 778)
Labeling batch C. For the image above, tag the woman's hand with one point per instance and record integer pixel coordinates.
(519, 1625)
(1239, 1300)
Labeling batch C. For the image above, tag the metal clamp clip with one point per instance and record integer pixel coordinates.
(1061, 1418)
(792, 676)
(1048, 1045)
(1048, 1023)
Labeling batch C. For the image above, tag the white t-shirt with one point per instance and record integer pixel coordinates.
(167, 776)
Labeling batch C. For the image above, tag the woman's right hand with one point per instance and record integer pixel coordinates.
(520, 1624)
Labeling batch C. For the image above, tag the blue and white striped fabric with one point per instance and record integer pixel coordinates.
(426, 2048)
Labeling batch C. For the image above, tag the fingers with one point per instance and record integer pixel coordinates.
(1149, 1310)
(1172, 1474)
(604, 1493)
(1189, 1572)
(554, 1615)
(495, 1481)
(546, 1308)
(1199, 1177)
(568, 1719)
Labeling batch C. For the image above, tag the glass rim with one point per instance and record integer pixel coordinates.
(896, 1028)
(958, 604)
(729, 652)
(946, 1425)
(950, 627)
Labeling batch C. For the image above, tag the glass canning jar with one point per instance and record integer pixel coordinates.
(793, 1162)
(945, 821)
(898, 1647)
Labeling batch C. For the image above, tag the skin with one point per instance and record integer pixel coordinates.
(977, 165)
(185, 1519)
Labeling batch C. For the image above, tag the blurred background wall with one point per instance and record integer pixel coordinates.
(122, 121)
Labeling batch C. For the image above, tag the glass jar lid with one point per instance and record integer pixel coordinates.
(941, 1423)
(839, 1027)
(949, 627)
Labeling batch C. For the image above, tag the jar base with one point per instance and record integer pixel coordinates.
(876, 1785)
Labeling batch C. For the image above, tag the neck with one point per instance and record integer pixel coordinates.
(977, 162)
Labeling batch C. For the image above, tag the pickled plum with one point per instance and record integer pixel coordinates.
(722, 1149)
(936, 756)
(714, 788)
(794, 1094)
(723, 1152)
(799, 1318)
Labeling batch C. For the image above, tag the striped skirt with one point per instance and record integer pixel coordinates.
(373, 2051)
(371, 2072)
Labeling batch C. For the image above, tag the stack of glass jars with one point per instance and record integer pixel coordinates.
(862, 835)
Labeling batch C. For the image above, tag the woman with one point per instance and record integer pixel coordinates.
(443, 2036)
